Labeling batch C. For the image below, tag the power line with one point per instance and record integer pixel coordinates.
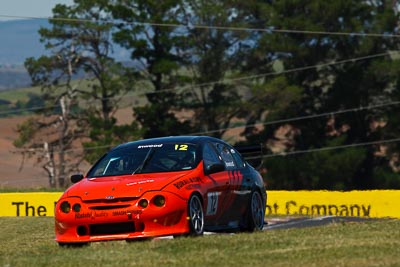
(227, 80)
(290, 153)
(387, 141)
(262, 75)
(27, 109)
(303, 117)
(266, 123)
(270, 29)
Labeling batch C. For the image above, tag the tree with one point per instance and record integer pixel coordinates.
(80, 44)
(148, 28)
(51, 135)
(268, 95)
(331, 85)
(210, 53)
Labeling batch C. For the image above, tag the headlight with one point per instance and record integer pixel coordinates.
(65, 207)
(159, 200)
(76, 207)
(143, 203)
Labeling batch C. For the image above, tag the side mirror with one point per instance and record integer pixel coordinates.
(213, 168)
(76, 178)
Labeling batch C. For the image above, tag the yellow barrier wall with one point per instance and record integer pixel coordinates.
(28, 204)
(374, 203)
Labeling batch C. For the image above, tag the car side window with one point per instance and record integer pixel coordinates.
(209, 156)
(226, 156)
(238, 158)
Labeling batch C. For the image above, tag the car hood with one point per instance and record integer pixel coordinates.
(115, 187)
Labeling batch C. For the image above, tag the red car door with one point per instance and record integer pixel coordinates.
(218, 188)
(227, 200)
(234, 204)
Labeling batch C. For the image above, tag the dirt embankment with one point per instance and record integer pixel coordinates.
(16, 172)
(19, 172)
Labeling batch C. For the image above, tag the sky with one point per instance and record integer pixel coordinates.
(22, 40)
(29, 8)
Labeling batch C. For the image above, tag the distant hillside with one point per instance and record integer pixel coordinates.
(14, 76)
(20, 40)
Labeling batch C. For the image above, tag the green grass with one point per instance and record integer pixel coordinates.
(20, 94)
(134, 98)
(28, 190)
(29, 241)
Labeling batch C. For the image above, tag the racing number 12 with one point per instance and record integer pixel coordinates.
(212, 204)
(181, 147)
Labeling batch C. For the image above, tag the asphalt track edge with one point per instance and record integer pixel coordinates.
(301, 222)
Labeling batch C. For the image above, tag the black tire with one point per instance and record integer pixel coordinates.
(196, 216)
(255, 213)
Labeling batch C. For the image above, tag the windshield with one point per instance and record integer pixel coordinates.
(146, 159)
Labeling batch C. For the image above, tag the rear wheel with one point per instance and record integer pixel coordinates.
(255, 213)
(196, 215)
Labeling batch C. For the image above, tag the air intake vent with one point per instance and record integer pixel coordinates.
(111, 228)
(114, 200)
(110, 207)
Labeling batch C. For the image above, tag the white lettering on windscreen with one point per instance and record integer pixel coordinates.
(149, 146)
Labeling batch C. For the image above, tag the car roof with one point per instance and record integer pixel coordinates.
(170, 139)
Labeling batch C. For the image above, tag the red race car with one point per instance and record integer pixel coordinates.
(159, 187)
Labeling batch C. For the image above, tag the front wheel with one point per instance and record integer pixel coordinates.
(196, 216)
(255, 213)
